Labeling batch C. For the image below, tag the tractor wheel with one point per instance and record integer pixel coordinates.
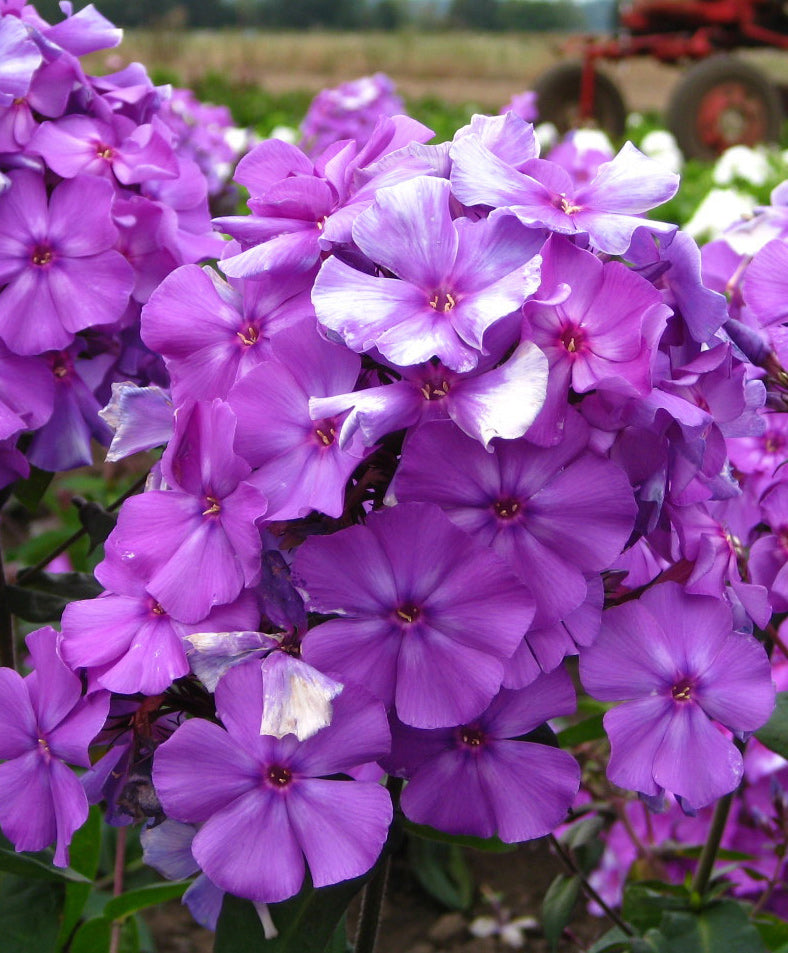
(723, 102)
(558, 100)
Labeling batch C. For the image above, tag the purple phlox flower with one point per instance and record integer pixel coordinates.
(552, 513)
(167, 848)
(128, 642)
(141, 418)
(482, 778)
(59, 262)
(349, 111)
(204, 526)
(525, 105)
(27, 392)
(300, 208)
(147, 239)
(298, 462)
(64, 441)
(678, 667)
(80, 144)
(506, 137)
(45, 725)
(129, 92)
(47, 95)
(13, 463)
(768, 562)
(186, 197)
(85, 31)
(265, 804)
(702, 310)
(454, 278)
(427, 616)
(211, 334)
(715, 553)
(544, 648)
(213, 654)
(766, 284)
(763, 453)
(491, 401)
(600, 332)
(542, 194)
(581, 152)
(19, 59)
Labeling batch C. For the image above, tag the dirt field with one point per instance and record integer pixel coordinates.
(484, 69)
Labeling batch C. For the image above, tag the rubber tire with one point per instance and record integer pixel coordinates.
(687, 103)
(558, 100)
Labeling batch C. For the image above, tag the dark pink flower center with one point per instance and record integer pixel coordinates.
(507, 508)
(325, 431)
(682, 690)
(104, 151)
(249, 336)
(470, 737)
(443, 301)
(573, 338)
(213, 506)
(566, 205)
(773, 443)
(278, 776)
(42, 256)
(408, 613)
(433, 391)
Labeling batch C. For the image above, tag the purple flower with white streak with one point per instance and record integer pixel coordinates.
(679, 669)
(456, 278)
(426, 615)
(543, 195)
(45, 724)
(483, 778)
(267, 805)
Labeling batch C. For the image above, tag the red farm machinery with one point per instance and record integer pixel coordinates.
(720, 101)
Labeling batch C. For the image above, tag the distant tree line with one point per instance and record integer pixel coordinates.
(351, 14)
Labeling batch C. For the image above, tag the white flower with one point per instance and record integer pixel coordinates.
(741, 162)
(719, 209)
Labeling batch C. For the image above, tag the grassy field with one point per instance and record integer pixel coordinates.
(482, 69)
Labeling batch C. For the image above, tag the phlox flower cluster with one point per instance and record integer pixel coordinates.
(103, 192)
(444, 417)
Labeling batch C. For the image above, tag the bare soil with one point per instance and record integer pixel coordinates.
(413, 922)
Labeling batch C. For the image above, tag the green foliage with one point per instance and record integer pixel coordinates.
(774, 733)
(307, 923)
(557, 906)
(443, 872)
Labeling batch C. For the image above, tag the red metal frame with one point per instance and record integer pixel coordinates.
(673, 32)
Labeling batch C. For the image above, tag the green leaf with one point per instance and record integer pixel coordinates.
(29, 914)
(34, 606)
(645, 903)
(773, 930)
(491, 845)
(83, 853)
(614, 941)
(585, 843)
(34, 867)
(97, 521)
(718, 928)
(557, 906)
(30, 491)
(69, 585)
(143, 897)
(92, 937)
(589, 730)
(443, 872)
(306, 923)
(774, 733)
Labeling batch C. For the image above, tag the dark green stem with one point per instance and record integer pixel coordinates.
(375, 889)
(7, 648)
(75, 537)
(709, 853)
(588, 890)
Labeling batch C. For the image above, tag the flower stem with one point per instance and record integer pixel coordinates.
(75, 537)
(588, 890)
(117, 889)
(7, 648)
(709, 853)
